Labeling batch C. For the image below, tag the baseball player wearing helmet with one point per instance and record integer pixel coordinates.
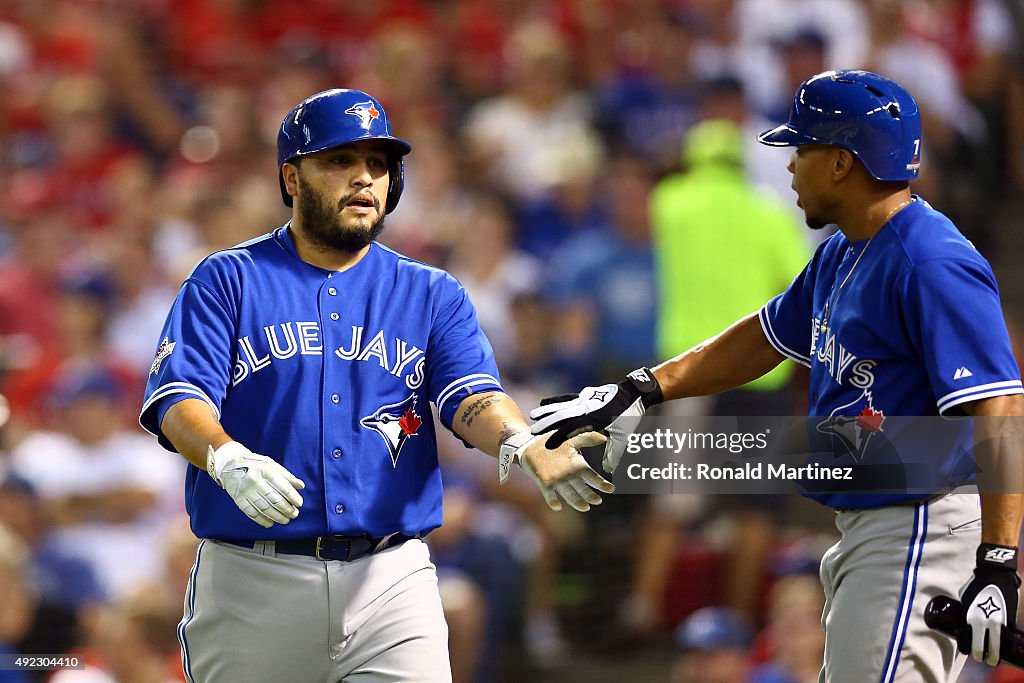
(294, 374)
(896, 314)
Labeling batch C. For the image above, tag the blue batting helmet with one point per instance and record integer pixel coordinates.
(873, 117)
(333, 118)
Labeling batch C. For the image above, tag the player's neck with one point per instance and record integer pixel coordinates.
(866, 218)
(325, 257)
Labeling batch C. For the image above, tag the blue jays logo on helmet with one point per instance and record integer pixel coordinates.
(396, 423)
(366, 112)
(870, 115)
(338, 117)
(854, 424)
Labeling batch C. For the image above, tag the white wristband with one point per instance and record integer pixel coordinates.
(508, 453)
(215, 459)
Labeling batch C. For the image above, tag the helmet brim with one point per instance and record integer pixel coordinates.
(395, 146)
(785, 136)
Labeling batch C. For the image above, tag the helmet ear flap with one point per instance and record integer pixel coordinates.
(396, 183)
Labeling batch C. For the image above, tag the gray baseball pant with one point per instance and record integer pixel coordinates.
(253, 615)
(878, 578)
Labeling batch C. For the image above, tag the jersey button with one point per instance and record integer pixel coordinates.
(334, 316)
(336, 453)
(332, 291)
(339, 508)
(335, 398)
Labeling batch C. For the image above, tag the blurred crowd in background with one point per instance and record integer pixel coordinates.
(586, 168)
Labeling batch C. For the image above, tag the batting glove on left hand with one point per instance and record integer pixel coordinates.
(615, 409)
(990, 603)
(260, 486)
(560, 473)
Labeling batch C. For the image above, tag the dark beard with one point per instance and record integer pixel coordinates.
(321, 222)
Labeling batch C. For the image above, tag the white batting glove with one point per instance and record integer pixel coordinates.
(560, 473)
(261, 487)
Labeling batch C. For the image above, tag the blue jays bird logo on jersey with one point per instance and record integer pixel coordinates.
(854, 424)
(366, 112)
(395, 423)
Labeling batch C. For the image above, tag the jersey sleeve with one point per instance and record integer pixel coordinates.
(786, 318)
(194, 359)
(955, 321)
(461, 361)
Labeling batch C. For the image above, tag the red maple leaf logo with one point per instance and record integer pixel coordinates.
(372, 111)
(870, 420)
(410, 422)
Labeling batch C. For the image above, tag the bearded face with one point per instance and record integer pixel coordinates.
(348, 224)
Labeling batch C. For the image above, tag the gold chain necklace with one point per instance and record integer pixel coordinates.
(834, 299)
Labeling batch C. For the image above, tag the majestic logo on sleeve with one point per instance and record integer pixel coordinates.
(366, 112)
(396, 423)
(854, 424)
(165, 349)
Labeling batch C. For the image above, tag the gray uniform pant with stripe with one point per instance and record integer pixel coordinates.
(878, 578)
(252, 615)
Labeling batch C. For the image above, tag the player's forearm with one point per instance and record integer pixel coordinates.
(192, 427)
(1001, 518)
(485, 420)
(998, 435)
(738, 355)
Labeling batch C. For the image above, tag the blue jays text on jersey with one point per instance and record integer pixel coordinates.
(917, 330)
(285, 340)
(329, 373)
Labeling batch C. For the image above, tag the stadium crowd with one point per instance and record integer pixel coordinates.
(554, 142)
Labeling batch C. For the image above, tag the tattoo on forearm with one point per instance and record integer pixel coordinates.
(508, 430)
(477, 407)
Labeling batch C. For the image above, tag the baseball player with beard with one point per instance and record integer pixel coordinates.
(895, 315)
(294, 374)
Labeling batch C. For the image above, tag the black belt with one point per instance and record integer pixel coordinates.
(345, 548)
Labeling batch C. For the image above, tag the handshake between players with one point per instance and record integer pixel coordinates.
(989, 597)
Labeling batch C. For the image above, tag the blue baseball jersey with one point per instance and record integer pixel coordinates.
(917, 330)
(330, 374)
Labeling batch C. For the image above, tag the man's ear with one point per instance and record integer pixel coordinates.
(843, 162)
(290, 173)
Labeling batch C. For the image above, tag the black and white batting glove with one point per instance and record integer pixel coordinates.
(260, 486)
(613, 409)
(990, 603)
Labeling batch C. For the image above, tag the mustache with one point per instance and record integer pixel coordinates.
(345, 200)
